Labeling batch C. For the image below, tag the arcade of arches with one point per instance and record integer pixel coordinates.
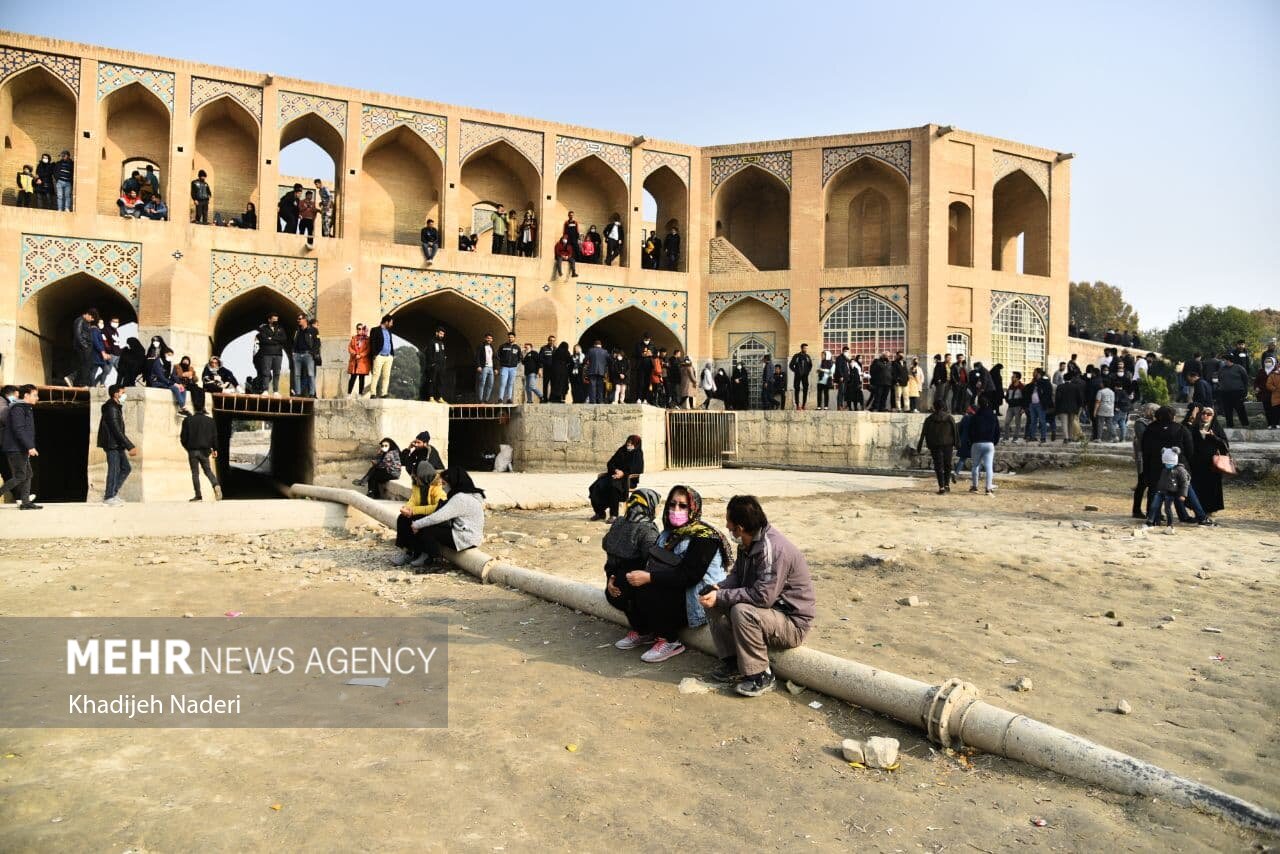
(594, 192)
(497, 174)
(137, 127)
(465, 324)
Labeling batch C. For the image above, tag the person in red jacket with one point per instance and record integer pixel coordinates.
(565, 252)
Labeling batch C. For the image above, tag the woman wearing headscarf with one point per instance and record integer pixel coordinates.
(740, 391)
(458, 523)
(707, 382)
(425, 498)
(1267, 384)
(385, 467)
(578, 375)
(662, 599)
(826, 372)
(1208, 440)
(613, 483)
(561, 369)
(626, 546)
(722, 388)
(359, 362)
(160, 374)
(133, 361)
(688, 384)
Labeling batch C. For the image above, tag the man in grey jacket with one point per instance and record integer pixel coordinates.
(766, 601)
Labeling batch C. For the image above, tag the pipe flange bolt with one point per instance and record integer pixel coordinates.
(950, 696)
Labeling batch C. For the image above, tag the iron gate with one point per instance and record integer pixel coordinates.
(700, 439)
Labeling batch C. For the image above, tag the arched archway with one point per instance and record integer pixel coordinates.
(671, 198)
(465, 324)
(136, 124)
(1019, 208)
(235, 326)
(400, 187)
(959, 235)
(594, 192)
(38, 112)
(753, 212)
(1018, 338)
(625, 328)
(745, 319)
(226, 147)
(45, 321)
(866, 217)
(867, 325)
(300, 163)
(498, 173)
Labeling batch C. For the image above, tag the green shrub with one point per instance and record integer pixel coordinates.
(1153, 390)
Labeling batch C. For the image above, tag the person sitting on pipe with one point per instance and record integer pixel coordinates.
(423, 501)
(457, 523)
(766, 601)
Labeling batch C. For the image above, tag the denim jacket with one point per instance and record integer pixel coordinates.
(715, 573)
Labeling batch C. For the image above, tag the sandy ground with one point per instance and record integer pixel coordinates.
(1005, 578)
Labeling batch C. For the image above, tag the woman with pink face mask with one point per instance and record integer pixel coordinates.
(663, 597)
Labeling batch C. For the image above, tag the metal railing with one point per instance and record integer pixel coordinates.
(500, 412)
(253, 404)
(700, 439)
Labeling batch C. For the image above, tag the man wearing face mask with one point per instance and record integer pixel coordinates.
(18, 443)
(766, 601)
(113, 440)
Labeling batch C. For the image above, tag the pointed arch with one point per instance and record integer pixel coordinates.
(671, 195)
(465, 322)
(865, 322)
(753, 212)
(137, 126)
(498, 172)
(867, 204)
(245, 312)
(45, 320)
(746, 318)
(400, 187)
(1018, 339)
(38, 111)
(1019, 209)
(591, 188)
(226, 137)
(626, 326)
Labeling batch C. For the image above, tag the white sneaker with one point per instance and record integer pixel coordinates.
(633, 639)
(401, 559)
(662, 650)
(114, 501)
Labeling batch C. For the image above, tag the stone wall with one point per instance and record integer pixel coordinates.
(346, 433)
(837, 439)
(582, 437)
(151, 421)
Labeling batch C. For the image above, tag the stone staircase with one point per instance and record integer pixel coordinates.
(725, 258)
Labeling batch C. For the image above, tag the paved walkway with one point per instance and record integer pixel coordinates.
(544, 490)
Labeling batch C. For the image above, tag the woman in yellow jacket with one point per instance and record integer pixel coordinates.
(423, 500)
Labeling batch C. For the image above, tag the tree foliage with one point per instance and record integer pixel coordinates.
(406, 374)
(1209, 330)
(1097, 307)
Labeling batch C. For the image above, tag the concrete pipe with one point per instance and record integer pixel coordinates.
(950, 714)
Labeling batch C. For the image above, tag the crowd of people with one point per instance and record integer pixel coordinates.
(1121, 338)
(47, 185)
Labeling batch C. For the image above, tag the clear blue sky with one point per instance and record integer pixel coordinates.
(1171, 107)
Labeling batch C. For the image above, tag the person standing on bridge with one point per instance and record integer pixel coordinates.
(18, 443)
(801, 366)
(508, 367)
(306, 346)
(271, 341)
(597, 366)
(532, 365)
(485, 356)
(433, 359)
(358, 359)
(199, 437)
(380, 347)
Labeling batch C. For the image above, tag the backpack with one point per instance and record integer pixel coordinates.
(650, 246)
(588, 249)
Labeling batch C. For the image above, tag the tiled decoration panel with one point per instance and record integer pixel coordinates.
(375, 121)
(399, 285)
(652, 161)
(1004, 163)
(896, 295)
(596, 302)
(47, 259)
(293, 104)
(65, 68)
(571, 149)
(719, 301)
(204, 90)
(476, 135)
(1039, 303)
(234, 273)
(775, 162)
(895, 154)
(112, 77)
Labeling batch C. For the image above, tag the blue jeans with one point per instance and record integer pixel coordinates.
(1036, 421)
(531, 388)
(179, 395)
(118, 469)
(303, 381)
(1121, 421)
(984, 456)
(1163, 500)
(63, 191)
(506, 384)
(429, 251)
(103, 371)
(484, 385)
